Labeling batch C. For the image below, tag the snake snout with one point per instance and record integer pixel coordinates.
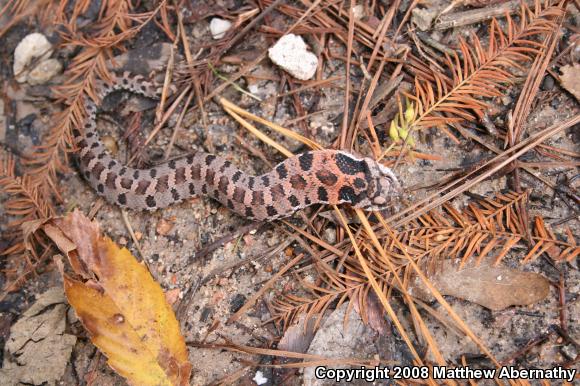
(382, 187)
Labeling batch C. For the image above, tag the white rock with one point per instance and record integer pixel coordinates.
(259, 378)
(291, 53)
(358, 11)
(219, 27)
(32, 46)
(44, 71)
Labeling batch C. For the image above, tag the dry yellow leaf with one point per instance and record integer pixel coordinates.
(124, 310)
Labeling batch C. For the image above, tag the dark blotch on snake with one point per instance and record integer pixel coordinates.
(278, 193)
(86, 159)
(223, 184)
(349, 166)
(180, 176)
(236, 176)
(294, 201)
(126, 183)
(271, 211)
(209, 159)
(305, 161)
(209, 176)
(322, 194)
(258, 198)
(110, 181)
(282, 172)
(162, 184)
(98, 169)
(225, 165)
(346, 193)
(359, 183)
(239, 194)
(326, 177)
(142, 187)
(298, 182)
(175, 194)
(196, 172)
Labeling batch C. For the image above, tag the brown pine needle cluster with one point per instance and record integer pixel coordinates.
(488, 227)
(454, 90)
(27, 203)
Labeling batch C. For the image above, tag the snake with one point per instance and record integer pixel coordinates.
(313, 177)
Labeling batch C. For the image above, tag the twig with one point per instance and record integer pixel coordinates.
(177, 126)
(206, 250)
(132, 234)
(472, 16)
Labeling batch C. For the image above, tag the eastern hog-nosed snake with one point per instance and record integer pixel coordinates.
(314, 177)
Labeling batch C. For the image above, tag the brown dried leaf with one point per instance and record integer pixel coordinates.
(297, 337)
(570, 79)
(495, 288)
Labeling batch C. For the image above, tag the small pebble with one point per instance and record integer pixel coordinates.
(237, 302)
(548, 83)
(44, 72)
(259, 378)
(291, 53)
(219, 27)
(358, 11)
(34, 45)
(330, 235)
(164, 226)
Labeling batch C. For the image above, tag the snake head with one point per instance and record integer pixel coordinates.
(382, 185)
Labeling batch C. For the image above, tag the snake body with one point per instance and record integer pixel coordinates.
(314, 177)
